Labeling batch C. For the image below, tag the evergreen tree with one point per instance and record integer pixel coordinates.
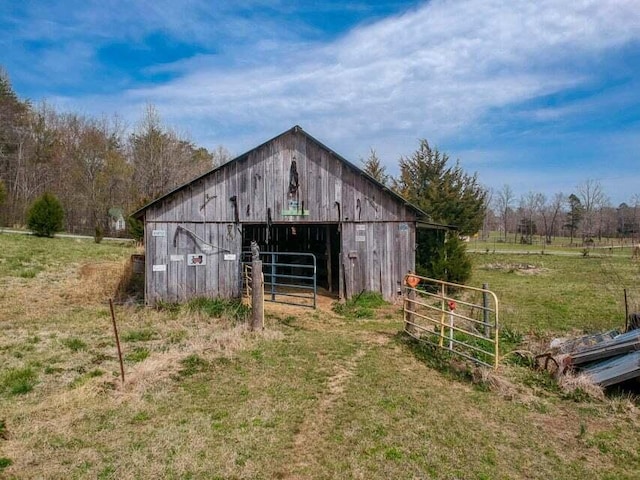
(449, 196)
(135, 228)
(375, 168)
(45, 216)
(574, 215)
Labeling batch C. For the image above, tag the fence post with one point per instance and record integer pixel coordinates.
(410, 307)
(257, 296)
(485, 310)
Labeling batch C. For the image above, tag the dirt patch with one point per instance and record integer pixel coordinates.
(517, 268)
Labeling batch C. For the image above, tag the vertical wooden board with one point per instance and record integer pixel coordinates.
(235, 266)
(337, 213)
(201, 270)
(267, 180)
(172, 266)
(173, 208)
(190, 272)
(232, 191)
(401, 242)
(149, 247)
(245, 183)
(383, 255)
(411, 249)
(181, 267)
(258, 200)
(160, 258)
(213, 261)
(325, 201)
(226, 233)
(280, 180)
(210, 197)
(362, 259)
(352, 282)
(305, 188)
(391, 260)
(226, 214)
(373, 262)
(196, 200)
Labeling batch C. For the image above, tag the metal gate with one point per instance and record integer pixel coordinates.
(458, 318)
(289, 277)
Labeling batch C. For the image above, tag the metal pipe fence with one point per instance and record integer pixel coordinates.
(289, 277)
(461, 319)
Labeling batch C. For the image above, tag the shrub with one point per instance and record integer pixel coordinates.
(449, 261)
(45, 216)
(135, 228)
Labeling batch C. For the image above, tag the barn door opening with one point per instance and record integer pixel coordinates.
(322, 240)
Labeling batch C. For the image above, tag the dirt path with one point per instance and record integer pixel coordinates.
(321, 418)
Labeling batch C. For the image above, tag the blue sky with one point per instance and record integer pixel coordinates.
(541, 95)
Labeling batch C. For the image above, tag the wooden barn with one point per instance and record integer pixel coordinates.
(290, 194)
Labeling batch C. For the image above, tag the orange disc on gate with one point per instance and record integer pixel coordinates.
(413, 281)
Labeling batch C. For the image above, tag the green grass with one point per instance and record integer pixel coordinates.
(25, 256)
(74, 344)
(360, 306)
(217, 307)
(18, 381)
(316, 395)
(559, 293)
(142, 335)
(138, 354)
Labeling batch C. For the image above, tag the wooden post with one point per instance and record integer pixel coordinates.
(115, 333)
(329, 273)
(257, 296)
(409, 309)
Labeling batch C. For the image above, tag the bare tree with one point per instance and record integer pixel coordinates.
(530, 204)
(592, 198)
(550, 212)
(504, 203)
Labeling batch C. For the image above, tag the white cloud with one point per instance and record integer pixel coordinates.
(438, 71)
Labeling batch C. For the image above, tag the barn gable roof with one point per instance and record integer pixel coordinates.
(423, 218)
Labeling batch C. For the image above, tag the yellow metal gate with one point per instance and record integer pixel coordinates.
(458, 318)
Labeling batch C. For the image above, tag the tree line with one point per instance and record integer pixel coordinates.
(96, 167)
(584, 216)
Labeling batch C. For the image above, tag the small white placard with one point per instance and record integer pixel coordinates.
(177, 258)
(159, 233)
(361, 238)
(159, 268)
(229, 256)
(361, 228)
(196, 259)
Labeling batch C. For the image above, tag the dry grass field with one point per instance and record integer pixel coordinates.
(316, 395)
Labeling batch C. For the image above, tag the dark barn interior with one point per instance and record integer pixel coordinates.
(322, 240)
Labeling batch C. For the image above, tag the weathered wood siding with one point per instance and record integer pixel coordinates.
(377, 228)
(330, 190)
(376, 256)
(173, 280)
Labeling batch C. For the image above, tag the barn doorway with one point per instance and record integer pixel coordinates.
(322, 240)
